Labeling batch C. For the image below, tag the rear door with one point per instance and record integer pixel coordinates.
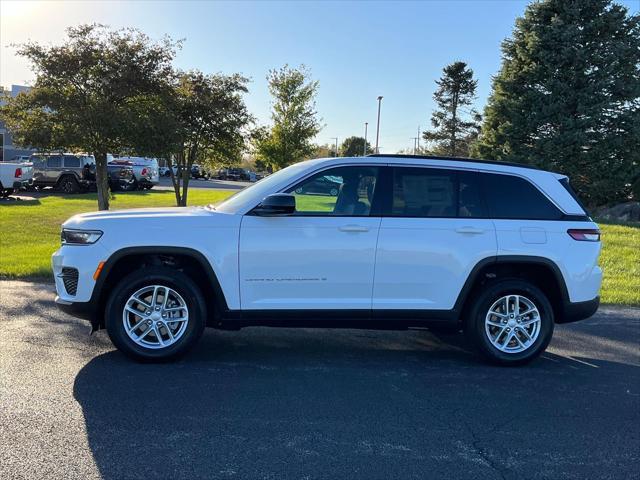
(433, 232)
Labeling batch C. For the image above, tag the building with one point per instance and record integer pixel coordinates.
(9, 150)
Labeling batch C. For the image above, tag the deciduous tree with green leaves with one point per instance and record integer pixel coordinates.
(209, 117)
(86, 92)
(354, 147)
(294, 115)
(567, 97)
(455, 123)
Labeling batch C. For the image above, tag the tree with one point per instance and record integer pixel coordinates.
(87, 91)
(208, 118)
(354, 147)
(295, 120)
(455, 126)
(567, 97)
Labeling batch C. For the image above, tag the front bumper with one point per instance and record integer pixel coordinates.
(83, 310)
(575, 311)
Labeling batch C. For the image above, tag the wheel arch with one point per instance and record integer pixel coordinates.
(189, 260)
(541, 271)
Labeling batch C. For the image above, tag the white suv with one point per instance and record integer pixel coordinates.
(500, 251)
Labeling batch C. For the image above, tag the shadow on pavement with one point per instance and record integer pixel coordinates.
(267, 403)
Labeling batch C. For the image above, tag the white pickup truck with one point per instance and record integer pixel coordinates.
(14, 176)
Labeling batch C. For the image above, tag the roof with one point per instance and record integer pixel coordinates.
(459, 159)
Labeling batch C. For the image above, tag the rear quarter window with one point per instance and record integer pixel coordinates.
(510, 197)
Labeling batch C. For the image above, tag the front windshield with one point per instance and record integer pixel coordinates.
(258, 190)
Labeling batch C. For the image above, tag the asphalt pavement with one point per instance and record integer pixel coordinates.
(313, 404)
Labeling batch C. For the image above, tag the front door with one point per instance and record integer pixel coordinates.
(322, 256)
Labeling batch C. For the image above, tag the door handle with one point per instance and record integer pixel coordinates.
(469, 230)
(353, 228)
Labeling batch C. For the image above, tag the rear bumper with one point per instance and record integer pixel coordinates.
(18, 184)
(574, 311)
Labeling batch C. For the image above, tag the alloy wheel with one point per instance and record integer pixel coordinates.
(155, 316)
(512, 323)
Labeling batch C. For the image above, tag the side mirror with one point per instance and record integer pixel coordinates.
(276, 204)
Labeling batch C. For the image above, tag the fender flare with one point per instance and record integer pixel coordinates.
(98, 295)
(473, 277)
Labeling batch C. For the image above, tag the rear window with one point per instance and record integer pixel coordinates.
(513, 197)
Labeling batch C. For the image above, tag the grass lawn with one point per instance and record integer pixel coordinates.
(30, 230)
(31, 233)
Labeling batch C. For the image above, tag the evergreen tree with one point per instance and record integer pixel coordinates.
(567, 97)
(455, 124)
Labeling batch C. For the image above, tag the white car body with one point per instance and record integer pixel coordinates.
(372, 265)
(14, 176)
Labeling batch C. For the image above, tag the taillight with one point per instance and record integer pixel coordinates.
(144, 171)
(584, 234)
(18, 173)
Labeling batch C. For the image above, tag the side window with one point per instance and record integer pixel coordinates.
(513, 197)
(470, 201)
(342, 191)
(424, 192)
(38, 162)
(54, 161)
(71, 162)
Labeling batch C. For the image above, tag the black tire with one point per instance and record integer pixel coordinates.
(164, 276)
(68, 184)
(127, 187)
(485, 298)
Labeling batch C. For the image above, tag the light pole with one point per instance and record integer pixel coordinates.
(378, 126)
(336, 139)
(418, 137)
(366, 125)
(415, 139)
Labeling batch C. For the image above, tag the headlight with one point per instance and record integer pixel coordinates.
(79, 237)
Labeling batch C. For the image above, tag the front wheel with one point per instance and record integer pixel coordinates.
(155, 314)
(510, 322)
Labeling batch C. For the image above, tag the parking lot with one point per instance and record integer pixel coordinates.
(276, 403)
(165, 184)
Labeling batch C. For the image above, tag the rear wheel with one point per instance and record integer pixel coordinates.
(510, 322)
(155, 314)
(68, 184)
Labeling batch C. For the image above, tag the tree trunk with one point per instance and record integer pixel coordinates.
(185, 185)
(102, 181)
(175, 181)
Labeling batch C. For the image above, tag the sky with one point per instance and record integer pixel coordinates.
(357, 50)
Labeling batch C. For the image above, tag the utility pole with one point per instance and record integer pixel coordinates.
(336, 139)
(418, 137)
(378, 126)
(415, 140)
(366, 125)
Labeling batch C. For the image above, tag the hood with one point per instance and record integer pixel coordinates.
(134, 217)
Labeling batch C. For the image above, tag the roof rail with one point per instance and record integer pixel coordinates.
(458, 159)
